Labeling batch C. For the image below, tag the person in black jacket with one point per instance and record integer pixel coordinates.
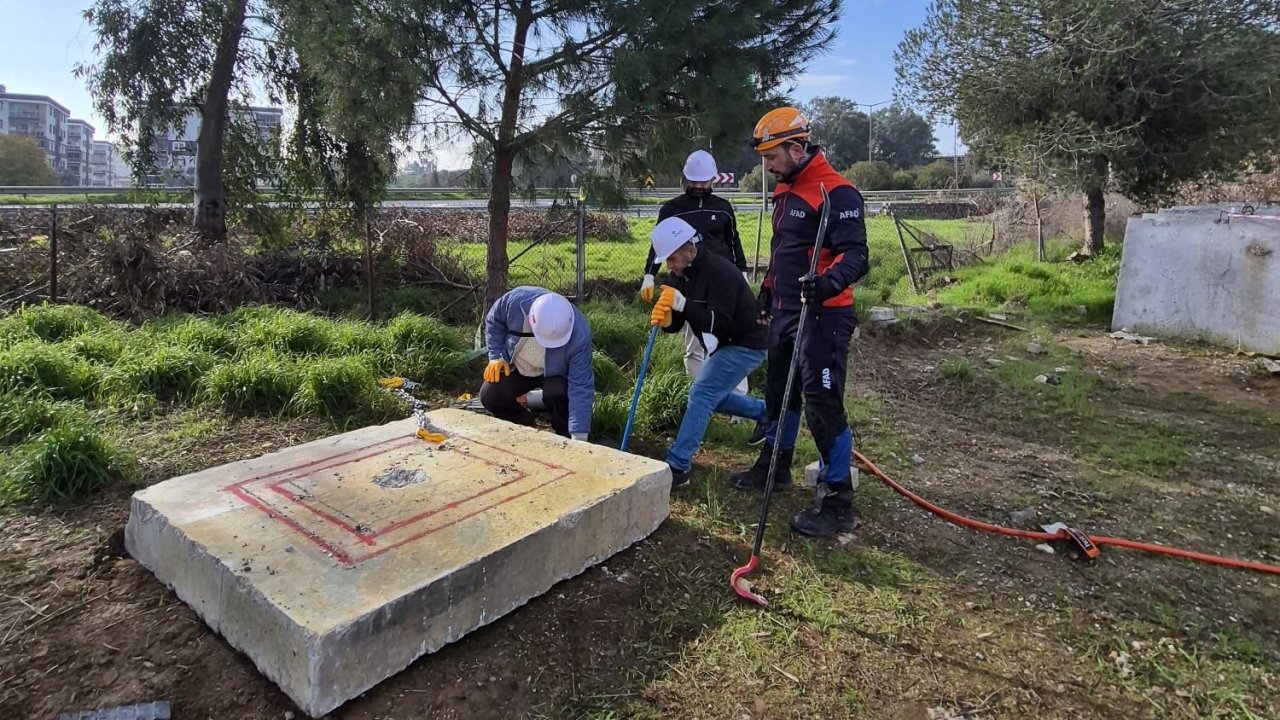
(706, 296)
(782, 138)
(714, 220)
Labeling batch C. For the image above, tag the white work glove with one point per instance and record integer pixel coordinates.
(646, 289)
(579, 436)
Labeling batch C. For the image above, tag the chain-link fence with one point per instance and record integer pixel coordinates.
(141, 262)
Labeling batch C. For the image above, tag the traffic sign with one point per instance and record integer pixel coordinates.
(724, 178)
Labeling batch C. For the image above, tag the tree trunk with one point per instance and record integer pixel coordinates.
(1095, 209)
(1035, 199)
(211, 210)
(504, 156)
(499, 213)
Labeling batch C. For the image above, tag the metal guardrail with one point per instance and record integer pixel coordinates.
(739, 195)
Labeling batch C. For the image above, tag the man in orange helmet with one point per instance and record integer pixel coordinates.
(782, 138)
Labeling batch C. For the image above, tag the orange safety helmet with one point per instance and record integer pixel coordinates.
(781, 125)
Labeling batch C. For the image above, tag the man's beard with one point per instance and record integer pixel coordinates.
(697, 192)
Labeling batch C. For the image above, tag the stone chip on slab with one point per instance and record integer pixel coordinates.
(335, 564)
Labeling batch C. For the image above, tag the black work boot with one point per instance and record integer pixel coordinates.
(756, 476)
(831, 511)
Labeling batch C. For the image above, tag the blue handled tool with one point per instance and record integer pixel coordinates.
(635, 398)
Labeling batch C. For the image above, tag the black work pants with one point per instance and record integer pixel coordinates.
(500, 398)
(819, 383)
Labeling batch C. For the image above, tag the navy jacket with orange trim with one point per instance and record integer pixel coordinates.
(843, 255)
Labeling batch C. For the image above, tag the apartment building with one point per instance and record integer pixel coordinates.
(41, 117)
(107, 167)
(79, 149)
(176, 147)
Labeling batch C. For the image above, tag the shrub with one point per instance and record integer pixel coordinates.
(609, 377)
(257, 383)
(865, 175)
(620, 336)
(289, 331)
(937, 175)
(343, 391)
(410, 332)
(354, 337)
(103, 347)
(198, 334)
(432, 367)
(63, 462)
(903, 180)
(668, 354)
(663, 400)
(53, 323)
(22, 416)
(609, 416)
(48, 368)
(168, 372)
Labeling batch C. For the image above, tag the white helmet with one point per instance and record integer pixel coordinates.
(669, 235)
(699, 166)
(551, 317)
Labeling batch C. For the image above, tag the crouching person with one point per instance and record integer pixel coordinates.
(708, 294)
(538, 339)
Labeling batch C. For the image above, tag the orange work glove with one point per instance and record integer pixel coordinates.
(661, 314)
(495, 370)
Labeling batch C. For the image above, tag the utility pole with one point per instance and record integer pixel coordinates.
(955, 149)
(869, 107)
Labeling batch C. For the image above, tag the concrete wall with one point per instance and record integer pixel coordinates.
(1203, 272)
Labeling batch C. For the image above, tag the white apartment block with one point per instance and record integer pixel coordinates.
(107, 167)
(176, 147)
(79, 149)
(40, 117)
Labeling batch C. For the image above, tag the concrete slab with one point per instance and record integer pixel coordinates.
(1199, 274)
(335, 564)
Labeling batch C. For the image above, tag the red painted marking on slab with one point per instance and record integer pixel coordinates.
(328, 517)
(316, 539)
(286, 475)
(451, 523)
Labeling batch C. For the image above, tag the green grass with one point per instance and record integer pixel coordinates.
(24, 416)
(167, 372)
(609, 414)
(1054, 289)
(344, 392)
(289, 331)
(69, 459)
(256, 383)
(609, 377)
(46, 368)
(194, 333)
(51, 323)
(409, 331)
(123, 195)
(955, 370)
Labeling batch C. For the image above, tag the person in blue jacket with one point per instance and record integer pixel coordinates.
(538, 339)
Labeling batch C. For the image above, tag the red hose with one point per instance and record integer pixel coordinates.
(1062, 535)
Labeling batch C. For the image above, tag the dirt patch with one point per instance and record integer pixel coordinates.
(911, 617)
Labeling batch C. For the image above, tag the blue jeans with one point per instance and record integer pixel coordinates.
(712, 391)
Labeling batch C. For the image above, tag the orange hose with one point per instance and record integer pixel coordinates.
(1049, 537)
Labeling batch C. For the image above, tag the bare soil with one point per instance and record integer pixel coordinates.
(911, 618)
